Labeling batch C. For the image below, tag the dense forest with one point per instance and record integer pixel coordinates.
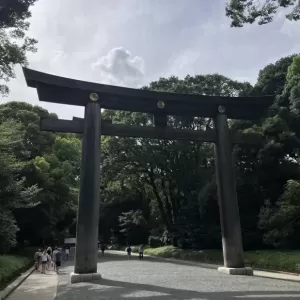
(155, 191)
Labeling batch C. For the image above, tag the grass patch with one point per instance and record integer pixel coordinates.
(11, 266)
(288, 261)
(135, 249)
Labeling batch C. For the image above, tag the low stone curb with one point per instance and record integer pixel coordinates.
(10, 288)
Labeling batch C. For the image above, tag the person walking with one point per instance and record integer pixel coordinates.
(67, 251)
(129, 250)
(54, 258)
(44, 259)
(49, 253)
(102, 249)
(58, 259)
(49, 260)
(141, 252)
(37, 259)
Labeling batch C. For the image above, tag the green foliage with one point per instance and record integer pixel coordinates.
(168, 176)
(39, 176)
(11, 266)
(248, 11)
(133, 226)
(154, 242)
(281, 221)
(14, 44)
(293, 83)
(272, 78)
(13, 190)
(175, 180)
(207, 256)
(265, 259)
(157, 188)
(8, 231)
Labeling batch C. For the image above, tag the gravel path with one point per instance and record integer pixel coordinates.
(152, 279)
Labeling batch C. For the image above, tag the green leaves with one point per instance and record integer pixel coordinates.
(8, 231)
(169, 174)
(248, 11)
(133, 226)
(14, 44)
(39, 173)
(282, 221)
(292, 88)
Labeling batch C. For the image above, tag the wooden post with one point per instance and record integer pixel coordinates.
(227, 197)
(88, 208)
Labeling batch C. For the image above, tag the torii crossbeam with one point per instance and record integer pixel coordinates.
(94, 96)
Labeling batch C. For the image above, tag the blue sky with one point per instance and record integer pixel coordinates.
(132, 42)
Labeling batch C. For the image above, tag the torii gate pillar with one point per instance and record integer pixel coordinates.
(227, 197)
(89, 197)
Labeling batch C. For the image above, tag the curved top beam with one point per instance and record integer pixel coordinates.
(62, 90)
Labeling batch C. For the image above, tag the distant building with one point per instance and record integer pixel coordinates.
(70, 241)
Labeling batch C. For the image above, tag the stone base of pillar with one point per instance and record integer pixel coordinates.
(236, 271)
(75, 278)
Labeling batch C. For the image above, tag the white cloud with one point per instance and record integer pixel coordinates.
(120, 67)
(291, 28)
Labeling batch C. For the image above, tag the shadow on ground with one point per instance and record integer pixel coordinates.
(108, 289)
(117, 286)
(115, 257)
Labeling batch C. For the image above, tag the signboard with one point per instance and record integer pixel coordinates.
(70, 240)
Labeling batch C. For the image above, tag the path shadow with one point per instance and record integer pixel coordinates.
(106, 289)
(112, 289)
(119, 257)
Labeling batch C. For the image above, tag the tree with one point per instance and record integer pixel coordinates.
(271, 79)
(133, 225)
(248, 11)
(43, 159)
(281, 222)
(14, 44)
(14, 190)
(171, 174)
(293, 83)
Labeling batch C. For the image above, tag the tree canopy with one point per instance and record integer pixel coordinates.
(14, 44)
(157, 191)
(248, 11)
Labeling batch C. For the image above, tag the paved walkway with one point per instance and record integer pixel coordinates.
(37, 287)
(155, 279)
(259, 273)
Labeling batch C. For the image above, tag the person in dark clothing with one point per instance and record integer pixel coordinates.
(102, 248)
(58, 259)
(141, 252)
(129, 250)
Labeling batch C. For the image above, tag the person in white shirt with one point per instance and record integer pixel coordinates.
(141, 252)
(44, 260)
(67, 251)
(54, 259)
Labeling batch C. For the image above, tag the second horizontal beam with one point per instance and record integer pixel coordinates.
(122, 130)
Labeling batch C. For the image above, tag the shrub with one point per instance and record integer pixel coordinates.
(11, 266)
(287, 261)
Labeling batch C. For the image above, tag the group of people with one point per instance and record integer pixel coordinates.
(140, 250)
(44, 260)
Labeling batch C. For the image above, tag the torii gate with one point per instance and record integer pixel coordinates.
(95, 96)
